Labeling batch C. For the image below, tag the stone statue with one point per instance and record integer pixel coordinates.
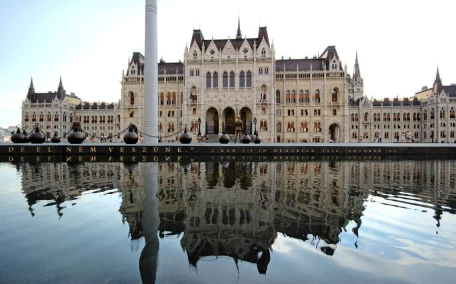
(238, 126)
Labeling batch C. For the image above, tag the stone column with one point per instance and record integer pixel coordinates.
(151, 74)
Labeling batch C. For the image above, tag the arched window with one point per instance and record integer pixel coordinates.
(304, 126)
(160, 127)
(71, 118)
(366, 116)
(279, 126)
(277, 97)
(293, 97)
(249, 79)
(264, 90)
(432, 113)
(49, 117)
(306, 96)
(317, 96)
(242, 79)
(208, 80)
(225, 79)
(33, 117)
(287, 97)
(168, 98)
(215, 80)
(162, 99)
(442, 113)
(301, 96)
(260, 71)
(26, 116)
(195, 55)
(263, 52)
(132, 98)
(194, 95)
(317, 126)
(56, 117)
(41, 116)
(291, 126)
(170, 126)
(231, 79)
(174, 99)
(334, 94)
(352, 117)
(263, 125)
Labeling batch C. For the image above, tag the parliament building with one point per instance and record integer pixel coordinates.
(284, 100)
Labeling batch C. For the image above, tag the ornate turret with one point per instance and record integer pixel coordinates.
(357, 81)
(31, 90)
(61, 93)
(438, 87)
(356, 71)
(238, 34)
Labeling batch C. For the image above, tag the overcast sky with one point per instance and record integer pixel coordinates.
(400, 44)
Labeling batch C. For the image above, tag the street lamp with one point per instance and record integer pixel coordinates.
(199, 127)
(255, 122)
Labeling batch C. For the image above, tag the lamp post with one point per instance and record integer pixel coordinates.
(255, 122)
(199, 128)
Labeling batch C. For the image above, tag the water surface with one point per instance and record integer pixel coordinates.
(229, 222)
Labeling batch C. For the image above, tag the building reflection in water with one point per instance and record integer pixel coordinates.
(237, 209)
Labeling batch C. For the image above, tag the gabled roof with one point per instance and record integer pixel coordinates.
(352, 102)
(42, 97)
(376, 103)
(416, 102)
(299, 64)
(450, 90)
(387, 102)
(329, 54)
(170, 68)
(236, 41)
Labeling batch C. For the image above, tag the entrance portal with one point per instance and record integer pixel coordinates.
(229, 120)
(212, 121)
(334, 133)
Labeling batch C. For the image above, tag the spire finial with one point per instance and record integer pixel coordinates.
(60, 83)
(31, 84)
(356, 60)
(238, 34)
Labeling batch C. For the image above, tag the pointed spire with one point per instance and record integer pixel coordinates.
(356, 71)
(60, 83)
(438, 86)
(31, 84)
(437, 77)
(31, 90)
(238, 34)
(61, 93)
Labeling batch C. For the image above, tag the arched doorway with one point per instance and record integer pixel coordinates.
(229, 118)
(212, 121)
(334, 133)
(246, 117)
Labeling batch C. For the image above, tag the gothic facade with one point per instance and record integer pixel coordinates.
(283, 100)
